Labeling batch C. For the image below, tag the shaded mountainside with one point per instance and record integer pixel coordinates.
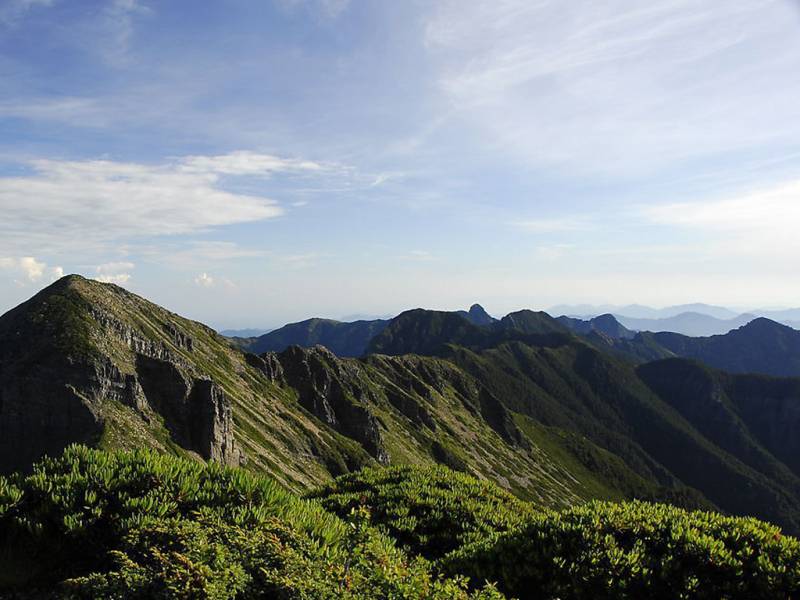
(607, 418)
(344, 339)
(347, 339)
(427, 332)
(761, 346)
(477, 315)
(605, 325)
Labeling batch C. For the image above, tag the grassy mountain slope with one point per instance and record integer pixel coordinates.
(89, 362)
(606, 420)
(578, 389)
(426, 411)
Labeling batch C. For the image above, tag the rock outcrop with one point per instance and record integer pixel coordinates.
(331, 389)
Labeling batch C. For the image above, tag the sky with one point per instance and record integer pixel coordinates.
(249, 163)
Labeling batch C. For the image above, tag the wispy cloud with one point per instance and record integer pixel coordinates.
(251, 163)
(329, 9)
(196, 254)
(621, 87)
(553, 225)
(11, 11)
(756, 224)
(84, 201)
(115, 28)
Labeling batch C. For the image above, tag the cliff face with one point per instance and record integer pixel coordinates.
(329, 389)
(63, 361)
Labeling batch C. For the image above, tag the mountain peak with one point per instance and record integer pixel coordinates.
(478, 315)
(764, 325)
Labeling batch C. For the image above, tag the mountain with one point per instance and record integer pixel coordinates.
(614, 422)
(761, 346)
(785, 315)
(421, 331)
(718, 312)
(606, 325)
(92, 363)
(344, 339)
(243, 333)
(523, 402)
(638, 311)
(529, 321)
(687, 323)
(89, 362)
(477, 315)
(427, 332)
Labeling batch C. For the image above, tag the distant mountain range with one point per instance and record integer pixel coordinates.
(244, 333)
(688, 323)
(727, 344)
(638, 311)
(687, 319)
(347, 339)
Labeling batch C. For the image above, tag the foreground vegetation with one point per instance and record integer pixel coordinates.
(94, 524)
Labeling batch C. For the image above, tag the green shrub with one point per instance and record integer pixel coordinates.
(636, 550)
(94, 524)
(429, 511)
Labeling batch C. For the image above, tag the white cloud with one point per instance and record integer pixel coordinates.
(204, 280)
(114, 272)
(198, 254)
(26, 269)
(770, 210)
(620, 86)
(757, 224)
(71, 203)
(248, 163)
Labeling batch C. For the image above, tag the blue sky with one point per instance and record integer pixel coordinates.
(249, 163)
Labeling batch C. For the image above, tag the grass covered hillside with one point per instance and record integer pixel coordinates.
(97, 524)
(92, 363)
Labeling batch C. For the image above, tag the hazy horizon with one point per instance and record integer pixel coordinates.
(253, 164)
